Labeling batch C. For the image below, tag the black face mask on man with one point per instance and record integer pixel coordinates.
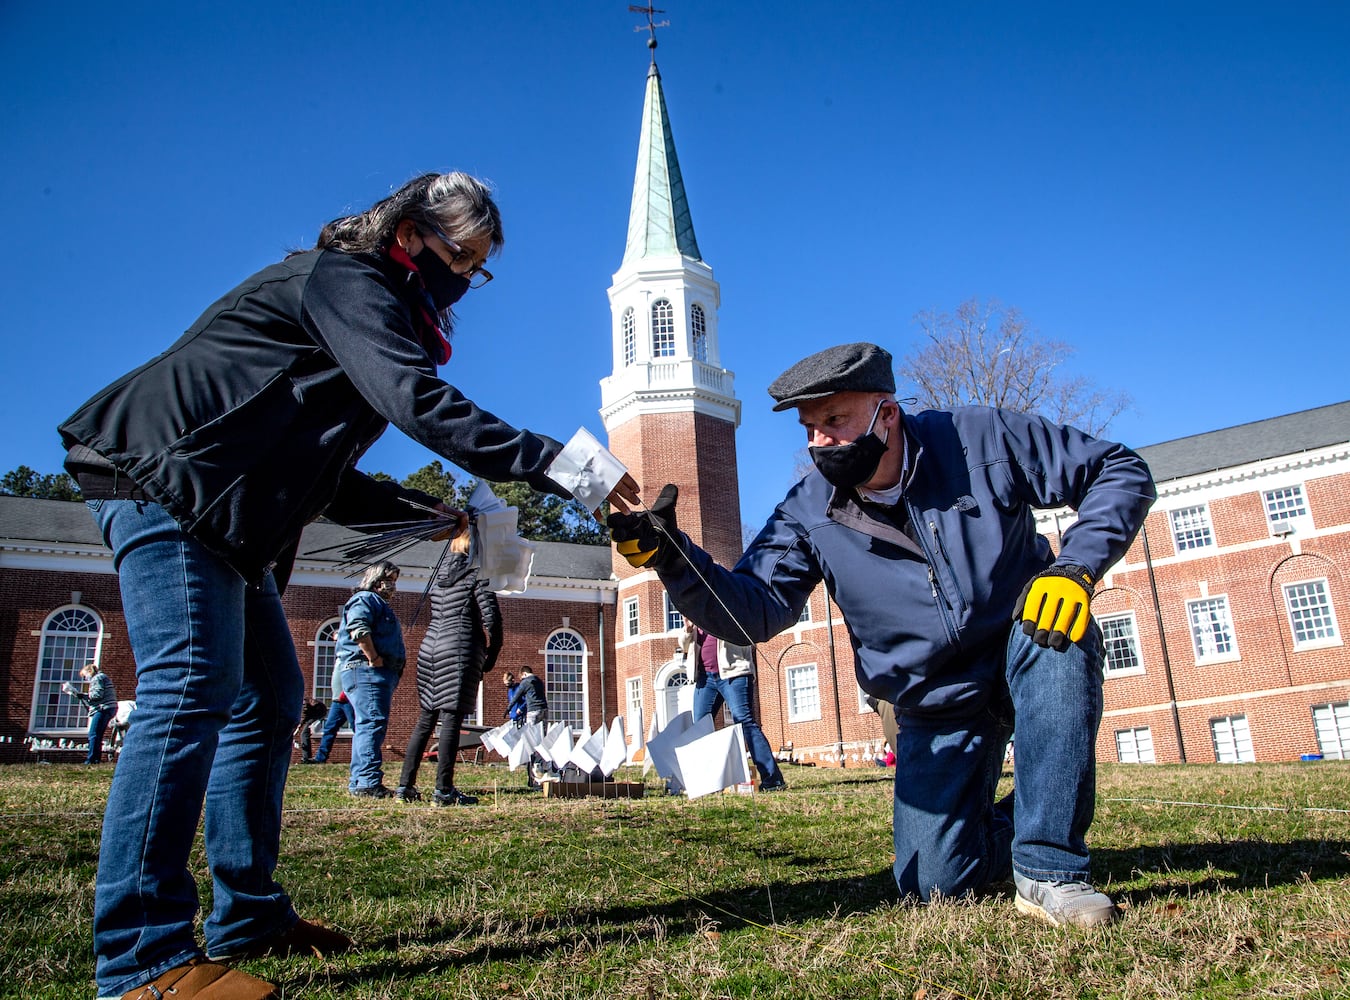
(850, 465)
(443, 284)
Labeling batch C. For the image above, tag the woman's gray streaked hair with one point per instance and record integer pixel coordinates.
(457, 203)
(375, 573)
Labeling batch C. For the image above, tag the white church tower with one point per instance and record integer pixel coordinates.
(668, 405)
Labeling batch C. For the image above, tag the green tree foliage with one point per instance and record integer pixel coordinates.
(25, 482)
(543, 516)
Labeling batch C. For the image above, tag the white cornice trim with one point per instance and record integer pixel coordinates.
(1303, 460)
(55, 557)
(1220, 699)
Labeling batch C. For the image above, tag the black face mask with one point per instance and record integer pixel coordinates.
(442, 283)
(849, 465)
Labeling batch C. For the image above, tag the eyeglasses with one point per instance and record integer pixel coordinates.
(477, 274)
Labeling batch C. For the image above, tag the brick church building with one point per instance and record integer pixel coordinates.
(1221, 621)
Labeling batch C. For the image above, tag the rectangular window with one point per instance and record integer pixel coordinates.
(663, 329)
(1232, 740)
(803, 693)
(635, 710)
(1135, 746)
(1122, 643)
(1332, 724)
(1285, 503)
(1311, 617)
(805, 616)
(1191, 528)
(674, 620)
(630, 618)
(1212, 629)
(564, 686)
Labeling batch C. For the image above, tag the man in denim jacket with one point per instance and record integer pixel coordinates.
(922, 527)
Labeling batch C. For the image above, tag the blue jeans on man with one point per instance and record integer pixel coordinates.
(371, 692)
(218, 694)
(735, 692)
(99, 720)
(338, 712)
(951, 836)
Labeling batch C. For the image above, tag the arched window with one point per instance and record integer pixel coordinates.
(699, 327)
(663, 329)
(325, 657)
(70, 639)
(629, 337)
(565, 679)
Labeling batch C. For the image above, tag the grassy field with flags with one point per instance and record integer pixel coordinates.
(1234, 882)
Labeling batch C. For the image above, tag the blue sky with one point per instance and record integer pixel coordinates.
(1161, 185)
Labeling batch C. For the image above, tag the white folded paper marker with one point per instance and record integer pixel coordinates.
(587, 469)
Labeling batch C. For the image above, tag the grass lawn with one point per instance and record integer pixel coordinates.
(784, 895)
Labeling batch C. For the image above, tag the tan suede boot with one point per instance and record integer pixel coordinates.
(200, 980)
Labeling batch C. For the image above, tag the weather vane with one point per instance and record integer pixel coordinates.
(652, 25)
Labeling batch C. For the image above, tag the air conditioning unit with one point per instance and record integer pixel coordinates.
(1279, 529)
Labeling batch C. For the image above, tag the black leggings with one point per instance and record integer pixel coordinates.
(445, 754)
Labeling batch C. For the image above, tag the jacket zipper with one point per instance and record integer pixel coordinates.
(940, 601)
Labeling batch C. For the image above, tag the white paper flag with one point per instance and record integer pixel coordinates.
(587, 753)
(713, 762)
(616, 749)
(587, 469)
(501, 739)
(679, 731)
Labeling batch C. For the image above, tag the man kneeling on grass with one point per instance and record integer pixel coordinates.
(923, 528)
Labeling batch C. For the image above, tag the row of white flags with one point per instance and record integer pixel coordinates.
(693, 757)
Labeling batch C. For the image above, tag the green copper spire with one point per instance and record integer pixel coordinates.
(659, 224)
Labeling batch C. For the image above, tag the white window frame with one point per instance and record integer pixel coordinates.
(1333, 636)
(1108, 622)
(62, 653)
(325, 658)
(1288, 504)
(632, 618)
(1331, 724)
(663, 329)
(698, 326)
(1135, 746)
(805, 617)
(1192, 529)
(800, 706)
(674, 620)
(1219, 602)
(628, 324)
(637, 711)
(1232, 739)
(567, 694)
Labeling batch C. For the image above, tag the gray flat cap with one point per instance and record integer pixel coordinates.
(846, 368)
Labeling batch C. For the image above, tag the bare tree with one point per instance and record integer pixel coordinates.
(984, 354)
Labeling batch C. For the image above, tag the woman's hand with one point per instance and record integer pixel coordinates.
(456, 522)
(624, 496)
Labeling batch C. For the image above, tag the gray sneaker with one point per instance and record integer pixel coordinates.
(1061, 903)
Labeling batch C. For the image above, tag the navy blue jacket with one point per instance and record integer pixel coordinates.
(929, 593)
(529, 693)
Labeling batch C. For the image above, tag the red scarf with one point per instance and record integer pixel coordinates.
(433, 340)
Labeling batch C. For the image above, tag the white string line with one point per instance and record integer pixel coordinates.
(1229, 805)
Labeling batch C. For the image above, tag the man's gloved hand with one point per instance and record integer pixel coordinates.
(639, 537)
(1055, 606)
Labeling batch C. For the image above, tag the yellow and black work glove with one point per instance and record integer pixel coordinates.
(1055, 606)
(642, 536)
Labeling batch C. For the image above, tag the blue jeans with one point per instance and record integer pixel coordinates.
(218, 694)
(98, 725)
(371, 691)
(338, 713)
(951, 836)
(708, 698)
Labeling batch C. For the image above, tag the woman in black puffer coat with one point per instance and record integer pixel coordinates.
(461, 644)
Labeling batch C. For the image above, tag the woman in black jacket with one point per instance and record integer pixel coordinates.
(202, 467)
(461, 645)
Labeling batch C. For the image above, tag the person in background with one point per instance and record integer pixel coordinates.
(461, 644)
(722, 673)
(517, 714)
(922, 527)
(529, 698)
(101, 700)
(201, 468)
(313, 711)
(339, 711)
(370, 657)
